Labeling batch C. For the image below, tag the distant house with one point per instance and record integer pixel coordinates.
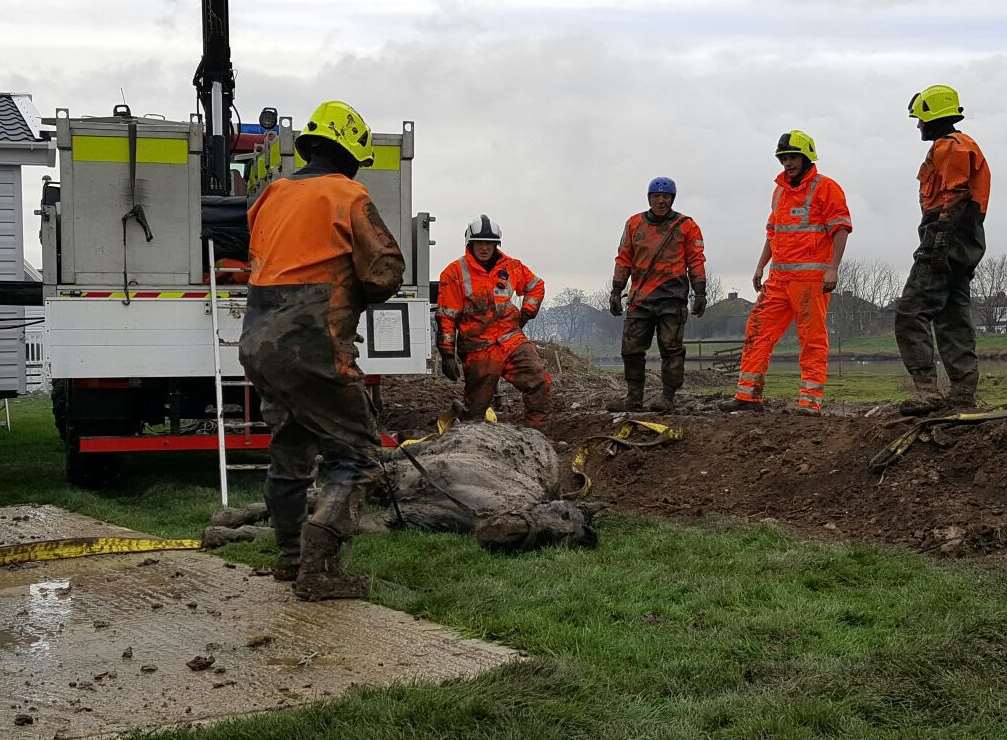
(575, 323)
(723, 320)
(851, 316)
(991, 315)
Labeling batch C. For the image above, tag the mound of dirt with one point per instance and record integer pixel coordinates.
(808, 473)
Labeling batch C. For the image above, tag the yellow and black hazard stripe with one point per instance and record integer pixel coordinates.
(79, 547)
(144, 294)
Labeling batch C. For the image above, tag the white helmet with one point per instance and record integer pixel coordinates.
(482, 229)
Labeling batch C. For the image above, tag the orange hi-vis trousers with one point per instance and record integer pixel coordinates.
(781, 302)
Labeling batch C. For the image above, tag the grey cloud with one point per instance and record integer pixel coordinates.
(556, 134)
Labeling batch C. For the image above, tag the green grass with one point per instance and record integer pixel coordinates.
(856, 385)
(663, 631)
(166, 495)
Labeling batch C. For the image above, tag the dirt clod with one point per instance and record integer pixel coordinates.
(24, 719)
(258, 641)
(149, 668)
(148, 561)
(127, 654)
(201, 662)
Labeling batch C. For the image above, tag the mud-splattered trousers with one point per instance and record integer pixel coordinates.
(311, 409)
(477, 318)
(522, 368)
(667, 318)
(938, 294)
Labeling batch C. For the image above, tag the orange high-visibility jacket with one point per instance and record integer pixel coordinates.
(802, 224)
(476, 304)
(681, 260)
(324, 229)
(954, 172)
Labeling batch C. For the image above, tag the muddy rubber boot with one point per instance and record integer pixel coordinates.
(962, 396)
(664, 404)
(632, 401)
(322, 575)
(635, 369)
(287, 503)
(737, 405)
(927, 398)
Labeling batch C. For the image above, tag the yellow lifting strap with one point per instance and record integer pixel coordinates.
(445, 421)
(901, 444)
(79, 547)
(621, 438)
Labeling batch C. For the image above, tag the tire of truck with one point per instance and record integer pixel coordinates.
(60, 400)
(86, 470)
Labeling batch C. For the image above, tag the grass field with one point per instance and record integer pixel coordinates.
(663, 631)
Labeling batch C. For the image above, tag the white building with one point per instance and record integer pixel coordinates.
(22, 142)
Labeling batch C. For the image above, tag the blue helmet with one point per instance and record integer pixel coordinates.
(662, 185)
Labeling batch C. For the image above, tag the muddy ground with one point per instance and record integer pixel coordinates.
(810, 474)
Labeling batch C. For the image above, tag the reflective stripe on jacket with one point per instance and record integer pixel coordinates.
(681, 260)
(954, 173)
(803, 222)
(475, 304)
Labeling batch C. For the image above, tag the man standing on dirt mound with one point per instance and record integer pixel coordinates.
(320, 252)
(954, 192)
(474, 306)
(662, 251)
(805, 238)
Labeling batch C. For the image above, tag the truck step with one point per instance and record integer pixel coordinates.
(241, 383)
(248, 467)
(245, 424)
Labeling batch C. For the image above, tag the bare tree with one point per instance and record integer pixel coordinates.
(568, 310)
(989, 291)
(714, 289)
(599, 298)
(873, 281)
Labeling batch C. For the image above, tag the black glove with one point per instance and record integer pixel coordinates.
(615, 298)
(615, 303)
(449, 366)
(699, 305)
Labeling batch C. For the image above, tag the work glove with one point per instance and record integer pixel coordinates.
(615, 303)
(615, 298)
(449, 366)
(698, 298)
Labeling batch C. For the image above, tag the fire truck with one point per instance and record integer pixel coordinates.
(145, 248)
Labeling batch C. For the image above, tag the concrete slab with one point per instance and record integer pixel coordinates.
(99, 645)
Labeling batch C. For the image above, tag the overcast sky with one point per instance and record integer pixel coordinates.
(552, 116)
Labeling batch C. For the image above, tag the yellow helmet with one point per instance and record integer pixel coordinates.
(937, 101)
(797, 142)
(337, 121)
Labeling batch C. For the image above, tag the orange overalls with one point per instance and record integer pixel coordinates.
(475, 304)
(801, 227)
